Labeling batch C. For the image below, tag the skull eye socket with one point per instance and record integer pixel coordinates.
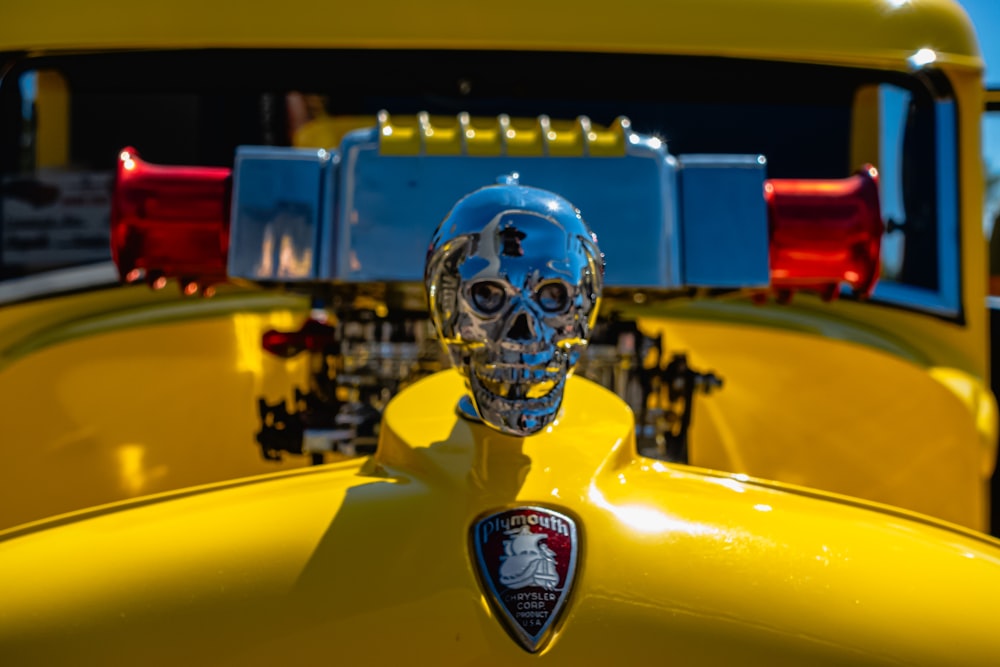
(552, 297)
(488, 297)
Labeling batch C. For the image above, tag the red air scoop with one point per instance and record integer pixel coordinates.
(824, 233)
(170, 222)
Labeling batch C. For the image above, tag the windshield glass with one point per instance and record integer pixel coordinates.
(64, 119)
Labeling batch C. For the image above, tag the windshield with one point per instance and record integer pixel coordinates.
(64, 119)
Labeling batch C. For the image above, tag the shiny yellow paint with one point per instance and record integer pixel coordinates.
(866, 144)
(876, 33)
(368, 563)
(80, 427)
(325, 131)
(906, 397)
(124, 392)
(528, 137)
(799, 406)
(834, 415)
(52, 108)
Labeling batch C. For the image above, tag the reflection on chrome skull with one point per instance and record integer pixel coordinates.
(513, 279)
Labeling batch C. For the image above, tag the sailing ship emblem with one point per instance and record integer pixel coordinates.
(526, 559)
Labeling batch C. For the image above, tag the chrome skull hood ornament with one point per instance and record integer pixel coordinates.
(513, 279)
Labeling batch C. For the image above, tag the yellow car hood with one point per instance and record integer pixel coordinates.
(369, 563)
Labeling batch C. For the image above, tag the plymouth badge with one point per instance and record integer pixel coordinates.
(526, 558)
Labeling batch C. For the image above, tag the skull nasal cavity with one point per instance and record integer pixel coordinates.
(511, 239)
(521, 328)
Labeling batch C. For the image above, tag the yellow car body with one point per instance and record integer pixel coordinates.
(367, 562)
(837, 496)
(71, 414)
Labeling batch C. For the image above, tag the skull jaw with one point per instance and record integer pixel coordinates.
(516, 416)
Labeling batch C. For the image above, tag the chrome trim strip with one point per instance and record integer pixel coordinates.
(949, 269)
(52, 283)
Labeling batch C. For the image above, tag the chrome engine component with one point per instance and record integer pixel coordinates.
(372, 352)
(360, 362)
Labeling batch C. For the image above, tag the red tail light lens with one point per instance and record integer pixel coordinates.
(825, 233)
(170, 222)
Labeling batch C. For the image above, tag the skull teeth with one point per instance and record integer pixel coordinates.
(517, 374)
(515, 384)
(541, 389)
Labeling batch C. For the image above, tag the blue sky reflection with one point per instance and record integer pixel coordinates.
(985, 15)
